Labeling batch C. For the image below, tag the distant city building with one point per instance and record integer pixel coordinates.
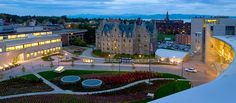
(69, 34)
(21, 46)
(118, 37)
(183, 39)
(5, 27)
(168, 26)
(52, 27)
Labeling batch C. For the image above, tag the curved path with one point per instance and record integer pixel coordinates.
(87, 93)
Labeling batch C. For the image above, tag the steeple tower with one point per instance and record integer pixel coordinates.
(167, 16)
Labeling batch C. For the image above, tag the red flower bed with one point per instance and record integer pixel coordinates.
(126, 77)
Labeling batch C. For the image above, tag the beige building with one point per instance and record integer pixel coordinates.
(122, 37)
(21, 46)
(207, 34)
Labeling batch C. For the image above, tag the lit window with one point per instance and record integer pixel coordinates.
(41, 43)
(27, 55)
(47, 42)
(10, 48)
(35, 44)
(27, 45)
(11, 36)
(1, 37)
(19, 47)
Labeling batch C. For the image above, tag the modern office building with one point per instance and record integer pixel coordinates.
(21, 46)
(69, 34)
(218, 45)
(124, 37)
(202, 28)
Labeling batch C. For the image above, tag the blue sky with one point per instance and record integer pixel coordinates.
(71, 7)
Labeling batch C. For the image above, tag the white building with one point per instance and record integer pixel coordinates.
(18, 47)
(220, 45)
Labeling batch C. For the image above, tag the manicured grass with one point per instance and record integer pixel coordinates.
(49, 75)
(168, 89)
(171, 88)
(168, 75)
(29, 77)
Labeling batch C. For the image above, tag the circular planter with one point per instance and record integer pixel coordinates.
(92, 83)
(70, 79)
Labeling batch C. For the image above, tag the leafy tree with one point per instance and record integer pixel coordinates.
(51, 64)
(23, 69)
(78, 42)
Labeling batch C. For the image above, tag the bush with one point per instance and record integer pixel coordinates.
(78, 42)
(47, 58)
(127, 77)
(99, 53)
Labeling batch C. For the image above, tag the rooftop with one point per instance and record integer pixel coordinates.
(65, 31)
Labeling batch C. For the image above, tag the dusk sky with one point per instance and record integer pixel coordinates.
(72, 7)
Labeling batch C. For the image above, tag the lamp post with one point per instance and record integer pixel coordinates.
(119, 64)
(109, 56)
(149, 62)
(182, 69)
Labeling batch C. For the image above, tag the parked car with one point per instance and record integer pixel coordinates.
(192, 70)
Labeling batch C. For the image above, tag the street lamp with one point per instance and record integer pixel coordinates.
(109, 57)
(119, 63)
(182, 70)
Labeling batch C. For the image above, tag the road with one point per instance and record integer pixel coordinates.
(204, 75)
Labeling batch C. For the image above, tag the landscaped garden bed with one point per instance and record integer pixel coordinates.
(135, 94)
(110, 79)
(24, 84)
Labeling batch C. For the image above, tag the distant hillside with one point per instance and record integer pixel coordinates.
(134, 16)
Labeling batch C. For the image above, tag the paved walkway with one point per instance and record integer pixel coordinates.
(60, 91)
(56, 88)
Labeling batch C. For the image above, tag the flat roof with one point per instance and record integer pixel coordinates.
(64, 31)
(220, 90)
(28, 40)
(165, 53)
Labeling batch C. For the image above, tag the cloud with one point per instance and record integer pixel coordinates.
(69, 7)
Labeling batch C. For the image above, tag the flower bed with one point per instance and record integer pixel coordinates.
(25, 84)
(127, 77)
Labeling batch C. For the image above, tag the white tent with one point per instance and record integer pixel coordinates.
(178, 56)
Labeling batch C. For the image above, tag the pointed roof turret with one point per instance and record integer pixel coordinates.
(167, 16)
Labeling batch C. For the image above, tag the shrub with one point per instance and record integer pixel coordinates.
(127, 77)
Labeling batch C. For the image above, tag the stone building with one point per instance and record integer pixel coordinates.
(126, 37)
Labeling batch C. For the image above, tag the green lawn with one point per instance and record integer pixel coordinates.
(29, 77)
(172, 88)
(49, 75)
(99, 53)
(168, 89)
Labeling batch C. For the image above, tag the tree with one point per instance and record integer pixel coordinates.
(23, 69)
(1, 75)
(51, 64)
(72, 62)
(78, 42)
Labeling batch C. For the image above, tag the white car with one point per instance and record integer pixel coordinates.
(192, 70)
